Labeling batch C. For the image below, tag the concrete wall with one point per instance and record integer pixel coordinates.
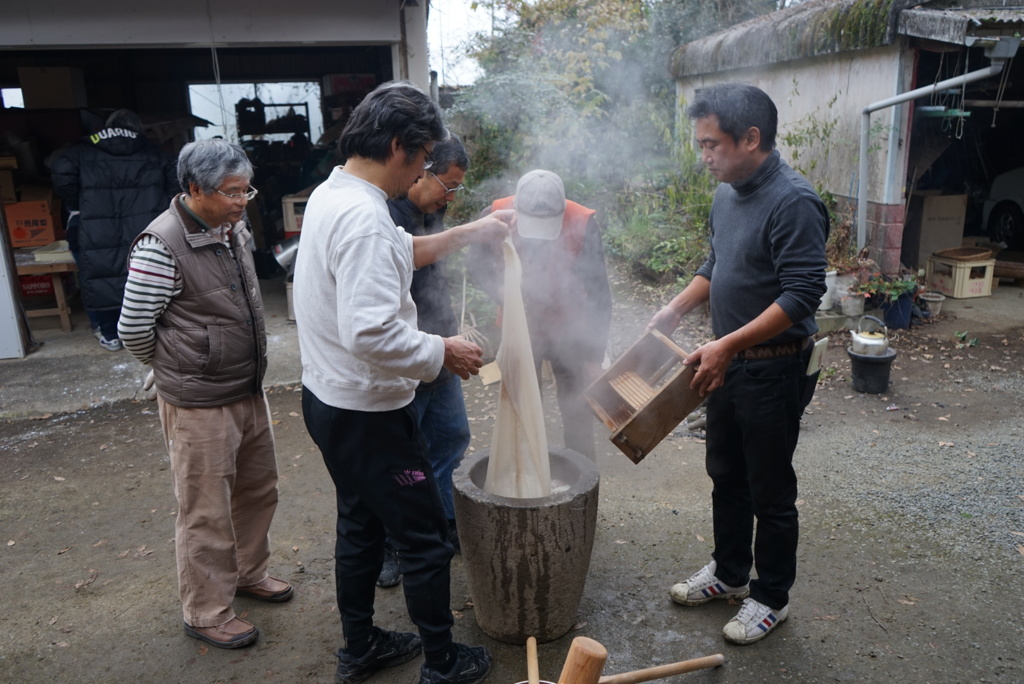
(831, 91)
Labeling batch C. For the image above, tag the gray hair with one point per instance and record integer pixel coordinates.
(397, 109)
(448, 153)
(208, 162)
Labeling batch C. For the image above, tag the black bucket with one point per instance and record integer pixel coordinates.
(870, 373)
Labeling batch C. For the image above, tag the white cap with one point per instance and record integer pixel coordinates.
(539, 205)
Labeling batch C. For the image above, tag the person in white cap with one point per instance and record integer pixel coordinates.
(565, 291)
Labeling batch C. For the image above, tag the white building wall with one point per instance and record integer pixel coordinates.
(833, 91)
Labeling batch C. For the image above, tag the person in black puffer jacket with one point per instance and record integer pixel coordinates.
(115, 182)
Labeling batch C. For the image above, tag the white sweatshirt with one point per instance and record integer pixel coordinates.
(356, 320)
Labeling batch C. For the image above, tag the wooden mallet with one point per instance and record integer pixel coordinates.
(586, 659)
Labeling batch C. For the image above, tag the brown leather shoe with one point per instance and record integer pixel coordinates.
(235, 633)
(271, 589)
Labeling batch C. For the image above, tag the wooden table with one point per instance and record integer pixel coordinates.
(54, 269)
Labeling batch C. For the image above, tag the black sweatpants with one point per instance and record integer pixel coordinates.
(385, 488)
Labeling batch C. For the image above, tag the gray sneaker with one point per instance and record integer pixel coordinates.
(472, 663)
(704, 587)
(390, 574)
(111, 345)
(387, 649)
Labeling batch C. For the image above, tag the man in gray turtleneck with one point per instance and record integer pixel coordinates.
(764, 279)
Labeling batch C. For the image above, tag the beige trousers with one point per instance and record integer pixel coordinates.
(225, 481)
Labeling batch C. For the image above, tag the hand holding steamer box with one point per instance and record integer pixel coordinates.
(644, 395)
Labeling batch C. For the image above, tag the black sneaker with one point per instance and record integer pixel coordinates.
(472, 663)
(389, 573)
(387, 649)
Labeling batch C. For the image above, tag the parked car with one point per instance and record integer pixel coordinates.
(1003, 213)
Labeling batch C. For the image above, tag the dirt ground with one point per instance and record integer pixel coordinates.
(910, 562)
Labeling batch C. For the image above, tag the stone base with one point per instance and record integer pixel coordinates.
(527, 559)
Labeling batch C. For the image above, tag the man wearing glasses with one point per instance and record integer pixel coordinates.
(362, 359)
(439, 403)
(192, 309)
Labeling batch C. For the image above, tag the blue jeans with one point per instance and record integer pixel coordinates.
(441, 411)
(752, 431)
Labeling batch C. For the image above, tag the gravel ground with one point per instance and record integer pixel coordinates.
(910, 561)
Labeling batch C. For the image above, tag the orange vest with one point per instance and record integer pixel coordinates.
(574, 223)
(553, 292)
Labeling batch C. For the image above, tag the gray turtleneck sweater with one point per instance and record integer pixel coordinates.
(768, 236)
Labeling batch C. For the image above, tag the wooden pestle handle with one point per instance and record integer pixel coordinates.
(663, 670)
(584, 662)
(532, 666)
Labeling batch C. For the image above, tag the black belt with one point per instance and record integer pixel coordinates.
(773, 351)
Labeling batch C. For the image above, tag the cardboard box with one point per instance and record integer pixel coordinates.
(293, 207)
(942, 224)
(960, 279)
(38, 289)
(31, 223)
(36, 285)
(7, 193)
(52, 87)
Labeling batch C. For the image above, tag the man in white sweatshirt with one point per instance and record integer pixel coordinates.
(362, 357)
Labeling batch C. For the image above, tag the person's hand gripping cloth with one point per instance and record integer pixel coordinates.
(518, 466)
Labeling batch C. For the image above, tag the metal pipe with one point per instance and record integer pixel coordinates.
(996, 104)
(865, 127)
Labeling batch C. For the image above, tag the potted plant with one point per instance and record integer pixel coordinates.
(853, 301)
(895, 296)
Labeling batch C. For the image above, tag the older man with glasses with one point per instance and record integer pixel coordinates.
(193, 310)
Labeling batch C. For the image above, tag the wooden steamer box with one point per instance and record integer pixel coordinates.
(644, 395)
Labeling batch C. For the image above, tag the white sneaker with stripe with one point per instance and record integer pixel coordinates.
(704, 587)
(753, 623)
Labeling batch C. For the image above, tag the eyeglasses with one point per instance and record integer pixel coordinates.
(430, 160)
(236, 196)
(447, 190)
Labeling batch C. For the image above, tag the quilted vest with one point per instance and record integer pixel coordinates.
(211, 343)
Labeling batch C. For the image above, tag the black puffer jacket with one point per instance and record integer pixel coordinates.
(119, 182)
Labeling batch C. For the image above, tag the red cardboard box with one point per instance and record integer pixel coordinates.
(30, 224)
(36, 285)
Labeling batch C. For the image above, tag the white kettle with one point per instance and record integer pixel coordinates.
(873, 343)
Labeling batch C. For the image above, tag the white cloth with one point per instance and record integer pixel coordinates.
(360, 347)
(519, 466)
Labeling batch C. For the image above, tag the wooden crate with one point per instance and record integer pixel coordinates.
(960, 279)
(644, 395)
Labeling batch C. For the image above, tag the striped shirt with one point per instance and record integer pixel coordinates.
(153, 280)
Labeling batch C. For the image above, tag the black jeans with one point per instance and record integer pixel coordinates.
(385, 487)
(753, 422)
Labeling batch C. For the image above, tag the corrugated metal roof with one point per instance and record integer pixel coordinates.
(954, 25)
(812, 28)
(821, 27)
